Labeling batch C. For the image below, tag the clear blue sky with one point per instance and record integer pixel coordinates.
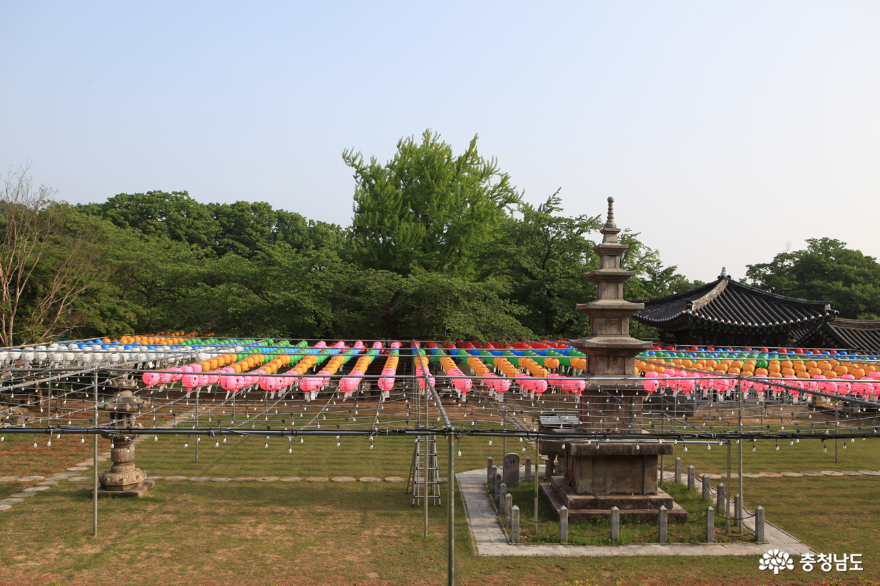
(725, 130)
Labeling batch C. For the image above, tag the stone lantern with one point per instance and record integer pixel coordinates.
(123, 479)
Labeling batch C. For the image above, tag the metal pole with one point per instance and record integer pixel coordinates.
(740, 450)
(198, 437)
(504, 441)
(729, 486)
(95, 465)
(450, 540)
(537, 463)
(425, 469)
(836, 429)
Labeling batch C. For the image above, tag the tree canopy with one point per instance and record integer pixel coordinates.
(441, 245)
(825, 271)
(427, 208)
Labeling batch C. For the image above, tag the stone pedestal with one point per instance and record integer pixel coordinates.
(615, 474)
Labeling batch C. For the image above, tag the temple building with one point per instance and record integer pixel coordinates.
(726, 312)
(849, 334)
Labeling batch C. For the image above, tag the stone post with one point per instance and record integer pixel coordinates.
(707, 488)
(710, 525)
(528, 469)
(563, 525)
(662, 521)
(678, 470)
(759, 524)
(615, 525)
(508, 504)
(493, 471)
(737, 511)
(511, 469)
(721, 498)
(489, 475)
(497, 486)
(499, 498)
(514, 524)
(692, 478)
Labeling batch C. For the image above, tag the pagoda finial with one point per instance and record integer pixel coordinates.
(723, 273)
(610, 222)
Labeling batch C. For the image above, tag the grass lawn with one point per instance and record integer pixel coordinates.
(364, 533)
(369, 533)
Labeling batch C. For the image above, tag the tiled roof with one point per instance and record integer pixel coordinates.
(854, 334)
(729, 305)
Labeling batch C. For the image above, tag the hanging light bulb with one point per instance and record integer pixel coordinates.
(844, 445)
(186, 445)
(490, 443)
(49, 443)
(685, 448)
(224, 439)
(217, 444)
(300, 440)
(459, 452)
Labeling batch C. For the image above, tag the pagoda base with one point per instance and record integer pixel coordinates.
(641, 508)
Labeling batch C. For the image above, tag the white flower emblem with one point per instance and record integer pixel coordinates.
(775, 560)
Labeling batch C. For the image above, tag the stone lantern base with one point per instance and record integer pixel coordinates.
(123, 479)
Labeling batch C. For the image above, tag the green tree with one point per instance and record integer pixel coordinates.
(544, 256)
(427, 209)
(825, 271)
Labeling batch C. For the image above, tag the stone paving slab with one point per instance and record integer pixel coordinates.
(369, 479)
(316, 479)
(394, 479)
(490, 540)
(23, 495)
(175, 478)
(769, 475)
(851, 473)
(791, 474)
(47, 483)
(244, 479)
(8, 478)
(267, 479)
(30, 478)
(78, 478)
(831, 473)
(221, 480)
(155, 478)
(199, 479)
(5, 507)
(870, 472)
(812, 474)
(78, 468)
(344, 479)
(37, 489)
(291, 479)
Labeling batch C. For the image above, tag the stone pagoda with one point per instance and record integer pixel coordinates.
(596, 475)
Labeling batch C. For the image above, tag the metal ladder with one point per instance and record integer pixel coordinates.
(419, 482)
